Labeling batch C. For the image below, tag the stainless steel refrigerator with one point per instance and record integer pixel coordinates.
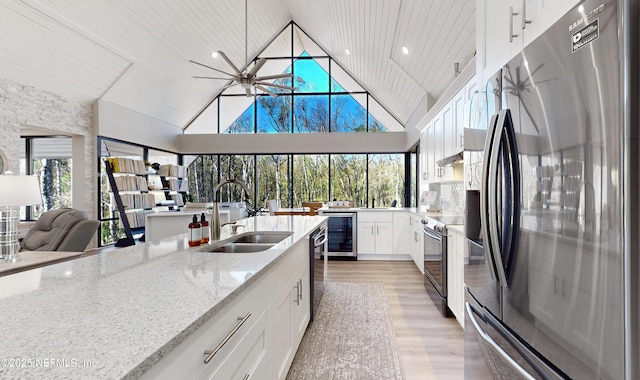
(551, 285)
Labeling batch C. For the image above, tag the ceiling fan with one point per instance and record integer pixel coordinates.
(246, 78)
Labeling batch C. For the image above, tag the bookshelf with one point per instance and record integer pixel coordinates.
(136, 193)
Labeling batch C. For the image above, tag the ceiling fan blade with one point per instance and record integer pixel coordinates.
(277, 85)
(214, 78)
(276, 76)
(257, 66)
(224, 56)
(248, 91)
(267, 91)
(212, 68)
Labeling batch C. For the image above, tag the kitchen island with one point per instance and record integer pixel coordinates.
(117, 314)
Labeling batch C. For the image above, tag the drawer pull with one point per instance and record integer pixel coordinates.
(300, 290)
(211, 354)
(297, 300)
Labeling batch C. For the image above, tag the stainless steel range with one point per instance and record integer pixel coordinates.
(435, 258)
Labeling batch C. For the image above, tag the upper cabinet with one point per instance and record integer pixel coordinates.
(443, 136)
(499, 33)
(504, 27)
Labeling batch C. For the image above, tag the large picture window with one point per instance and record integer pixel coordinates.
(326, 98)
(50, 159)
(293, 179)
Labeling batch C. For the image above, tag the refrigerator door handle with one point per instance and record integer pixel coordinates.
(485, 212)
(493, 195)
(487, 338)
(514, 207)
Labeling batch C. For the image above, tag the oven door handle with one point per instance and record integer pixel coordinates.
(432, 234)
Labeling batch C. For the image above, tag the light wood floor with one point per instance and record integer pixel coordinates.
(431, 346)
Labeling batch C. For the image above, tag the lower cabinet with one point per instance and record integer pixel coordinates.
(375, 232)
(375, 237)
(401, 243)
(455, 274)
(417, 241)
(254, 336)
(289, 318)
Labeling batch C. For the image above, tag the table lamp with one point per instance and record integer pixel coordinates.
(15, 191)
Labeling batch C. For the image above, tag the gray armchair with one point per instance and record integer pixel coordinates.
(64, 229)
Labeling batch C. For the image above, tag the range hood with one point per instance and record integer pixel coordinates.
(451, 159)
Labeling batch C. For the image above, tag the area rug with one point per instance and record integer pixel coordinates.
(351, 337)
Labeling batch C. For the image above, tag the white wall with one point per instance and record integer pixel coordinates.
(27, 107)
(293, 143)
(115, 121)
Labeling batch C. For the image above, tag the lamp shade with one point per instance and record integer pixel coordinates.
(19, 190)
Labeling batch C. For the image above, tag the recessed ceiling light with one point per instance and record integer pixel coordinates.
(347, 51)
(405, 50)
(214, 54)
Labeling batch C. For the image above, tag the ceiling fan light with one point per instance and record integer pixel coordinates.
(214, 54)
(347, 51)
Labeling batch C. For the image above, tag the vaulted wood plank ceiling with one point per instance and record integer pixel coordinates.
(135, 52)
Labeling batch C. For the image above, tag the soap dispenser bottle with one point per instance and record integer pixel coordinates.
(204, 229)
(195, 235)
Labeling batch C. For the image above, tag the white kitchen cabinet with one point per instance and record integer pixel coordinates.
(187, 359)
(282, 344)
(300, 300)
(428, 141)
(438, 143)
(443, 137)
(366, 237)
(455, 274)
(375, 238)
(290, 313)
(448, 125)
(375, 232)
(401, 242)
(500, 34)
(434, 144)
(455, 136)
(417, 247)
(264, 325)
(506, 26)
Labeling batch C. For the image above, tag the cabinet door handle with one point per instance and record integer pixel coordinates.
(377, 230)
(371, 230)
(511, 14)
(524, 15)
(461, 140)
(211, 354)
(297, 300)
(300, 289)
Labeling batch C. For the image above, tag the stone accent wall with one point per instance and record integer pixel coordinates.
(26, 105)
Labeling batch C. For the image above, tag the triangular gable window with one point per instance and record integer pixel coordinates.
(326, 98)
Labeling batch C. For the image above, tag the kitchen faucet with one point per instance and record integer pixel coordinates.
(215, 218)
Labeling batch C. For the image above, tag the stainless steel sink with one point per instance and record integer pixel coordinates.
(257, 241)
(240, 248)
(262, 237)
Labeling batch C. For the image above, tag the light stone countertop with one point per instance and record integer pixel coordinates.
(366, 209)
(115, 314)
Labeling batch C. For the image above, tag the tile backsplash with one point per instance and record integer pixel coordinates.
(473, 170)
(452, 197)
